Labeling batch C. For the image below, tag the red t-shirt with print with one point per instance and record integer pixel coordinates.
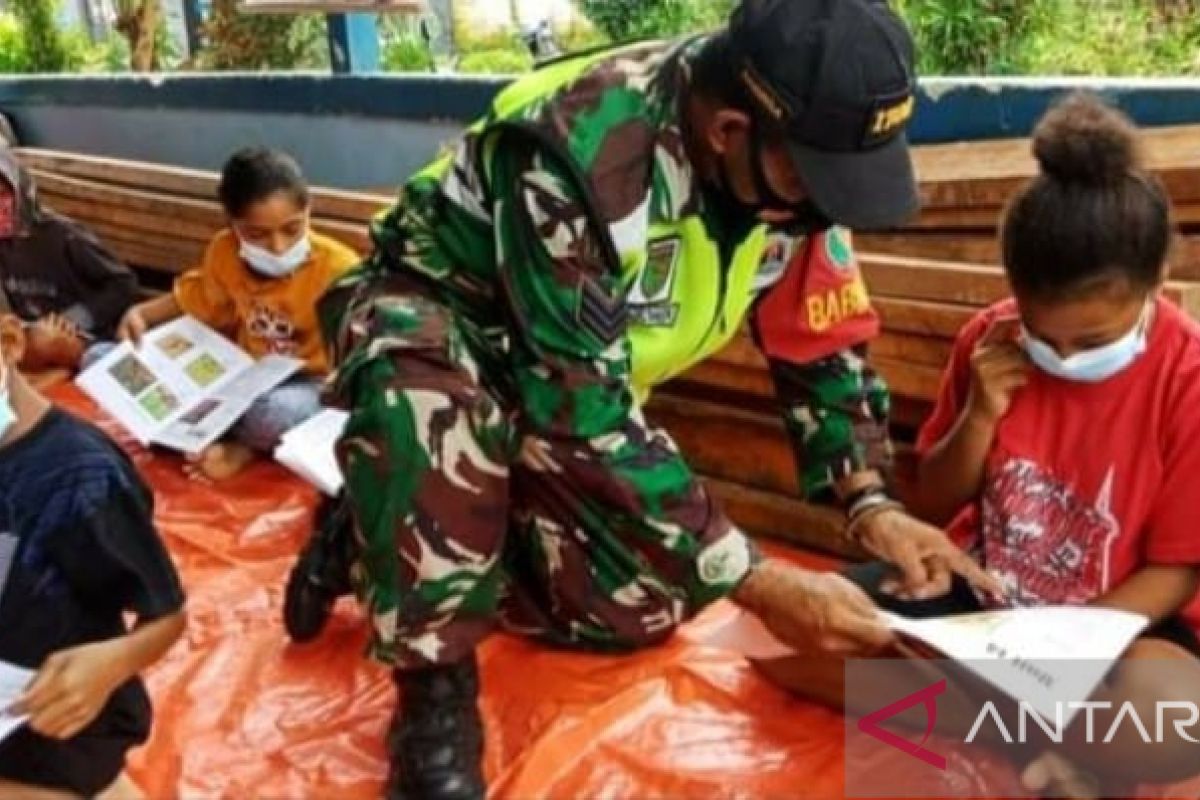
(1085, 483)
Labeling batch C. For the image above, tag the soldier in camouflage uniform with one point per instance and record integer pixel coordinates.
(609, 223)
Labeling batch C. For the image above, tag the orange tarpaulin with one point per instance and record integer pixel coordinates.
(242, 713)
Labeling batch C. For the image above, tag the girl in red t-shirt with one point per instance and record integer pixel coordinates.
(1064, 452)
(1064, 449)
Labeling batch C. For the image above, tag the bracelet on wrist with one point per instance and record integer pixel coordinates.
(861, 493)
(868, 509)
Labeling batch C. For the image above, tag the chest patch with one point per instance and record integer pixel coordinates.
(650, 301)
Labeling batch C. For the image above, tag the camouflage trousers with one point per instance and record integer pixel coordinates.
(461, 525)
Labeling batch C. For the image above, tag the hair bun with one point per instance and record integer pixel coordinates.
(1084, 141)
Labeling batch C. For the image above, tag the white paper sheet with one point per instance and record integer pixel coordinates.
(13, 680)
(308, 450)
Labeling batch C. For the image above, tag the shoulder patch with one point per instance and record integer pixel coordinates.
(776, 256)
(837, 247)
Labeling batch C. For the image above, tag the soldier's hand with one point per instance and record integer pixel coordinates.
(813, 611)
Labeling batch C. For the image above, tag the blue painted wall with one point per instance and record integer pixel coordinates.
(370, 130)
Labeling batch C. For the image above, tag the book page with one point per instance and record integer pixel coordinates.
(176, 366)
(1048, 656)
(212, 416)
(308, 450)
(13, 680)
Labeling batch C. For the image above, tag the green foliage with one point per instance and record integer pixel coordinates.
(44, 49)
(1053, 37)
(262, 41)
(501, 60)
(12, 45)
(622, 20)
(405, 54)
(1103, 40)
(971, 36)
(401, 47)
(579, 37)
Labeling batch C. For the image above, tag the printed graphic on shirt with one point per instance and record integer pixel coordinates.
(650, 300)
(267, 323)
(33, 297)
(1045, 542)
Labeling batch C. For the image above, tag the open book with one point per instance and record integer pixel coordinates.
(1048, 657)
(307, 450)
(184, 386)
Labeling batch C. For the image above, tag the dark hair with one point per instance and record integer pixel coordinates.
(254, 174)
(1094, 216)
(713, 72)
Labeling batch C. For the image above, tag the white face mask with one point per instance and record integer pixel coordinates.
(1097, 364)
(269, 265)
(8, 416)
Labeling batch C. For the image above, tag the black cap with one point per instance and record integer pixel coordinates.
(838, 77)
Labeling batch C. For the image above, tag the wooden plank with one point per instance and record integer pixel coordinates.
(908, 415)
(988, 172)
(963, 247)
(732, 378)
(177, 227)
(980, 219)
(191, 218)
(197, 184)
(928, 351)
(922, 317)
(984, 248)
(909, 380)
(940, 281)
(165, 220)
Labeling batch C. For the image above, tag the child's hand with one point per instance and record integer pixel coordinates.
(999, 367)
(71, 688)
(133, 326)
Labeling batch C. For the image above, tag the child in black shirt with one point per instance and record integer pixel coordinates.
(55, 275)
(78, 548)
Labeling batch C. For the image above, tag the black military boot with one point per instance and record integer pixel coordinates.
(436, 740)
(322, 572)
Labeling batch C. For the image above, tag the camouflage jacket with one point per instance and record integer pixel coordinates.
(500, 229)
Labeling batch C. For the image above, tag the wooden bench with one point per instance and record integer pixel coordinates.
(926, 281)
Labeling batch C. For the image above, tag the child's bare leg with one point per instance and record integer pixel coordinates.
(123, 788)
(260, 429)
(24, 791)
(221, 461)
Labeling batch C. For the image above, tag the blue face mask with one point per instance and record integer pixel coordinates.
(8, 417)
(1095, 365)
